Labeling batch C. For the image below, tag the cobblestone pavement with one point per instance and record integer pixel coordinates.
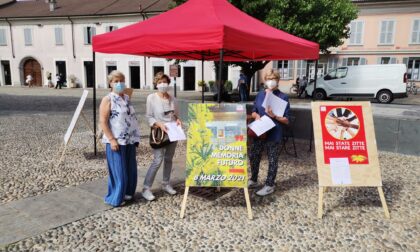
(284, 221)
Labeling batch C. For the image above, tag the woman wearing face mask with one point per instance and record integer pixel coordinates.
(161, 108)
(121, 136)
(274, 136)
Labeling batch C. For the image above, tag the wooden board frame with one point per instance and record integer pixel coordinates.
(247, 200)
(217, 115)
(362, 175)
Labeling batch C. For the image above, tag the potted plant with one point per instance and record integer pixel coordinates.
(228, 86)
(201, 85)
(212, 85)
(72, 81)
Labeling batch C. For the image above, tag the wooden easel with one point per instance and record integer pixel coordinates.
(64, 145)
(323, 189)
(246, 193)
(362, 175)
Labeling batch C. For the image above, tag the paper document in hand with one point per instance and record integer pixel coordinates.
(277, 105)
(175, 132)
(267, 96)
(261, 126)
(340, 171)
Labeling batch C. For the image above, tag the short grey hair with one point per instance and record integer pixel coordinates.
(113, 74)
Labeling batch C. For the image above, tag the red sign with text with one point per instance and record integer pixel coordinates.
(343, 134)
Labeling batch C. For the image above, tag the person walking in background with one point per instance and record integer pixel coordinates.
(29, 80)
(302, 85)
(243, 87)
(121, 135)
(161, 108)
(274, 137)
(49, 78)
(58, 81)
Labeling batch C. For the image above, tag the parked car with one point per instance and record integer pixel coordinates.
(383, 82)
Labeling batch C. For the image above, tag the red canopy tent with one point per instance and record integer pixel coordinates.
(204, 30)
(199, 29)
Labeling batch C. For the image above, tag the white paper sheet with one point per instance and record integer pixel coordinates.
(262, 126)
(277, 105)
(340, 171)
(175, 132)
(267, 95)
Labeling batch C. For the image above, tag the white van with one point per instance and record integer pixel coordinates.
(383, 82)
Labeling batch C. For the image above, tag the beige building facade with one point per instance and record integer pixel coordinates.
(385, 32)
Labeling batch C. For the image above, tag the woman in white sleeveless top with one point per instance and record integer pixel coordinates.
(161, 108)
(121, 135)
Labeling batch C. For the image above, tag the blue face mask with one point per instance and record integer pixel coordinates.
(119, 87)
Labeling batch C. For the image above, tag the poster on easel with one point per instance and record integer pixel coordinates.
(345, 145)
(217, 148)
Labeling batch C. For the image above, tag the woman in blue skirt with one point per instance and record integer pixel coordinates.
(121, 136)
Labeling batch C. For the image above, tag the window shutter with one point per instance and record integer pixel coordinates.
(390, 34)
(383, 32)
(363, 61)
(3, 41)
(344, 62)
(28, 36)
(415, 32)
(58, 36)
(359, 32)
(393, 60)
(291, 68)
(352, 32)
(379, 60)
(85, 35)
(275, 64)
(93, 32)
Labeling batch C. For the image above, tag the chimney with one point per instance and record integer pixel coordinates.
(53, 4)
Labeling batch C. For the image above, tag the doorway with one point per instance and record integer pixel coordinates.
(320, 73)
(189, 78)
(157, 69)
(109, 69)
(88, 65)
(33, 68)
(413, 69)
(135, 77)
(6, 72)
(60, 67)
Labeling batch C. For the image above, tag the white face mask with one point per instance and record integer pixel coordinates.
(271, 84)
(163, 87)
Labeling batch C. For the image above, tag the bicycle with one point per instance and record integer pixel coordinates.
(411, 87)
(294, 89)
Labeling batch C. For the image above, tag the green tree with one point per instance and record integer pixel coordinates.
(321, 21)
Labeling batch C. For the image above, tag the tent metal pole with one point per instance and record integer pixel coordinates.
(219, 93)
(313, 98)
(94, 102)
(316, 74)
(202, 79)
(315, 78)
(145, 72)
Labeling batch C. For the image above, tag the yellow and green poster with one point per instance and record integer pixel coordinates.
(216, 146)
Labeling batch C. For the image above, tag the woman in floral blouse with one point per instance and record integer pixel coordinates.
(121, 136)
